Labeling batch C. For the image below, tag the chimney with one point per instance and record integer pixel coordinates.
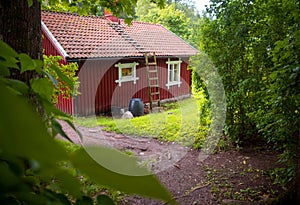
(109, 16)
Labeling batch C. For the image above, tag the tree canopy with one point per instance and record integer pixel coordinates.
(255, 47)
(180, 17)
(124, 8)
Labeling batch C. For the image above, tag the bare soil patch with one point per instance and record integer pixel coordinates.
(227, 177)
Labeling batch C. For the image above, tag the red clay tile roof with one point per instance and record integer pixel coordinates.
(97, 37)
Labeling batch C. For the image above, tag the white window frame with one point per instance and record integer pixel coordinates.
(123, 79)
(171, 64)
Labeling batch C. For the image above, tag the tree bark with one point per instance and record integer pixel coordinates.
(20, 27)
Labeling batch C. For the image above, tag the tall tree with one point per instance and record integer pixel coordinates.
(178, 17)
(20, 27)
(255, 46)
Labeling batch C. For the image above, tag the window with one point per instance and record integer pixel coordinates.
(173, 73)
(127, 72)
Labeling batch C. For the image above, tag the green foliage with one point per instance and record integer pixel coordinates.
(255, 46)
(207, 81)
(33, 164)
(172, 18)
(88, 186)
(95, 7)
(229, 35)
(178, 17)
(62, 76)
(282, 176)
(128, 183)
(205, 116)
(103, 199)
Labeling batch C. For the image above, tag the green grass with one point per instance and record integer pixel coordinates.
(179, 122)
(93, 121)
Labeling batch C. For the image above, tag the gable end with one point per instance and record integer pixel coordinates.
(58, 46)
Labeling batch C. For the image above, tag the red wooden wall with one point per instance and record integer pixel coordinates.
(64, 104)
(100, 92)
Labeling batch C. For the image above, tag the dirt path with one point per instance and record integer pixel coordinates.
(158, 155)
(231, 177)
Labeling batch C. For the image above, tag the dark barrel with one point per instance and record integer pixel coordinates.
(136, 107)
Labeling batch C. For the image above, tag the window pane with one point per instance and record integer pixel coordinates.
(171, 73)
(126, 72)
(176, 72)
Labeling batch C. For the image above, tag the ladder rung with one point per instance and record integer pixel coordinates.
(155, 78)
(154, 86)
(153, 71)
(152, 63)
(155, 93)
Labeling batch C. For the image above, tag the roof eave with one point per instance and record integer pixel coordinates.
(59, 47)
(126, 57)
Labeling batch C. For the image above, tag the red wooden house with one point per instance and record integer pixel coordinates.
(111, 60)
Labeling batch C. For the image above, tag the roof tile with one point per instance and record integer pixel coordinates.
(97, 37)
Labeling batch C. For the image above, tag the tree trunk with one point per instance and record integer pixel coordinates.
(20, 27)
(298, 172)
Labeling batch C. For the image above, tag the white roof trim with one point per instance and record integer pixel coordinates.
(53, 39)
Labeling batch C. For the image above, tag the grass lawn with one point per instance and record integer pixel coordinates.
(178, 123)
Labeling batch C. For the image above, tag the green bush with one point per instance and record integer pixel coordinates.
(255, 47)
